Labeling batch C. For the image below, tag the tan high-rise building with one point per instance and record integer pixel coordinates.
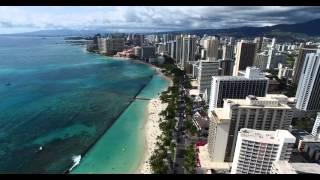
(245, 56)
(262, 113)
(188, 50)
(211, 45)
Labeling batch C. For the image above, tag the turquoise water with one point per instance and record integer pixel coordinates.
(120, 150)
(57, 96)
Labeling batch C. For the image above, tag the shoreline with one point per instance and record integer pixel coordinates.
(158, 72)
(151, 127)
(151, 132)
(151, 120)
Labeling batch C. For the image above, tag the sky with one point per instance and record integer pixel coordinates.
(148, 19)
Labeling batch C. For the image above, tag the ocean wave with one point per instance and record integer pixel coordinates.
(76, 161)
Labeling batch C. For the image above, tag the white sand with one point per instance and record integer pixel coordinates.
(152, 131)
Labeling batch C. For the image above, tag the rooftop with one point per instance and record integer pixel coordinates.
(206, 163)
(309, 168)
(309, 138)
(202, 121)
(259, 102)
(284, 167)
(271, 137)
(221, 113)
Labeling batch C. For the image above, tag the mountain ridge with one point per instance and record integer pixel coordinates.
(302, 30)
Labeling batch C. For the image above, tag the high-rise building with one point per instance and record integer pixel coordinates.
(173, 49)
(102, 44)
(258, 41)
(253, 83)
(261, 60)
(137, 39)
(147, 52)
(308, 90)
(227, 52)
(284, 72)
(165, 38)
(207, 69)
(298, 64)
(275, 58)
(137, 51)
(211, 45)
(263, 113)
(270, 57)
(273, 42)
(231, 41)
(316, 126)
(179, 39)
(256, 150)
(264, 44)
(225, 67)
(203, 54)
(111, 45)
(188, 50)
(245, 56)
(220, 53)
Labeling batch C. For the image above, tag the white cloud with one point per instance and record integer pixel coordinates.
(150, 17)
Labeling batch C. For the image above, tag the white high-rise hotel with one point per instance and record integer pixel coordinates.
(256, 150)
(308, 90)
(263, 113)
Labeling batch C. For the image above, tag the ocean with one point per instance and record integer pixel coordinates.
(58, 101)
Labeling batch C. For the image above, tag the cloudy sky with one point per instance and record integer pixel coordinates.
(146, 19)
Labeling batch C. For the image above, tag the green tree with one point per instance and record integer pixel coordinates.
(190, 159)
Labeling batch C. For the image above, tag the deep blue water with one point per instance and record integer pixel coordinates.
(57, 96)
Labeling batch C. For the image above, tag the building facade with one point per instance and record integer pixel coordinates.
(147, 52)
(178, 49)
(211, 45)
(298, 64)
(253, 83)
(188, 50)
(284, 72)
(226, 67)
(308, 90)
(227, 52)
(256, 150)
(261, 113)
(261, 60)
(207, 69)
(316, 126)
(245, 56)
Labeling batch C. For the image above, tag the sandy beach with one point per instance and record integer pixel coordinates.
(152, 130)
